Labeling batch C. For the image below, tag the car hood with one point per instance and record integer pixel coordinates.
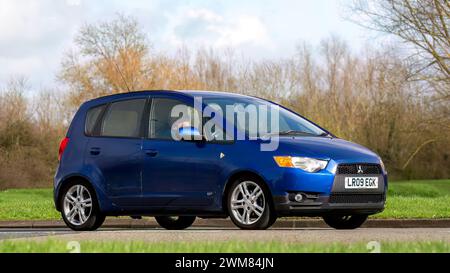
(336, 149)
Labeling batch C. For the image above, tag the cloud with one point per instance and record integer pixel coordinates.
(33, 21)
(33, 34)
(245, 30)
(20, 66)
(203, 27)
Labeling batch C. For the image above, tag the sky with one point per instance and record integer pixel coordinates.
(35, 34)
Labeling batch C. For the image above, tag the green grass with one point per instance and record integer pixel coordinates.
(417, 199)
(27, 204)
(406, 199)
(53, 246)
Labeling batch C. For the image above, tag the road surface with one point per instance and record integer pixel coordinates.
(300, 235)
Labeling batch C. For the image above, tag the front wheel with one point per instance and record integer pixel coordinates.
(175, 222)
(248, 205)
(345, 221)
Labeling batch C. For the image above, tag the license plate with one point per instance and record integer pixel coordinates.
(361, 182)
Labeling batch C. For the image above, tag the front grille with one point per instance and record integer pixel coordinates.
(346, 198)
(354, 168)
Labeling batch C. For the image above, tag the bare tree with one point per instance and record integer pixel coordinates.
(13, 104)
(424, 24)
(367, 97)
(110, 57)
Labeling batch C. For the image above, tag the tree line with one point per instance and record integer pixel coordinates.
(374, 97)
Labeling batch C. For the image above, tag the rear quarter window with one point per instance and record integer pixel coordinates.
(92, 117)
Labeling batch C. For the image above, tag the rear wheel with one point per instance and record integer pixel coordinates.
(175, 222)
(345, 221)
(248, 205)
(79, 207)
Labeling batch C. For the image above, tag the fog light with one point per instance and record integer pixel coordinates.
(298, 197)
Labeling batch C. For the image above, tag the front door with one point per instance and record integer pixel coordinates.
(176, 174)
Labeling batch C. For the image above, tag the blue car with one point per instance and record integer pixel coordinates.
(129, 154)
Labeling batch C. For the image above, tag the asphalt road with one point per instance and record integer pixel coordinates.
(323, 235)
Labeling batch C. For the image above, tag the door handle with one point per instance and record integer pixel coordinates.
(151, 152)
(95, 151)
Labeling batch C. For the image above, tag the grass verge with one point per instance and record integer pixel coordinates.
(53, 246)
(27, 204)
(417, 199)
(406, 199)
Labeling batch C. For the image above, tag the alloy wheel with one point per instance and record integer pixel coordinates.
(77, 205)
(247, 202)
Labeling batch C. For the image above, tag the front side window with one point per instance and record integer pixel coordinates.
(123, 119)
(165, 119)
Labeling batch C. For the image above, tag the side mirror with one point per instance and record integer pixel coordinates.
(189, 134)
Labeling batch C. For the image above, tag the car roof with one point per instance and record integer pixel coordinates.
(176, 93)
(213, 94)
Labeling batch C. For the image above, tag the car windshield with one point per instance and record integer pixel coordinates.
(289, 123)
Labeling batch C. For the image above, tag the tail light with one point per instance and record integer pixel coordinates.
(62, 147)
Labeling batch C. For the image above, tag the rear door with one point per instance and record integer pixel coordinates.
(114, 150)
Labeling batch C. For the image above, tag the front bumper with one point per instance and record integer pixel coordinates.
(322, 206)
(338, 201)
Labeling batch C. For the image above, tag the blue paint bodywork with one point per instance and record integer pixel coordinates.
(142, 176)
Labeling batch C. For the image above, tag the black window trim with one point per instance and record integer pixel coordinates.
(150, 111)
(101, 118)
(185, 101)
(145, 120)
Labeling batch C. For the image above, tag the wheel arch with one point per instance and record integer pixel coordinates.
(66, 181)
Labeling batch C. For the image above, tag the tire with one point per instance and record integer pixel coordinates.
(345, 221)
(175, 222)
(77, 211)
(273, 219)
(249, 206)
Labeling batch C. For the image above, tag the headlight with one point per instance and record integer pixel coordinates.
(305, 163)
(382, 164)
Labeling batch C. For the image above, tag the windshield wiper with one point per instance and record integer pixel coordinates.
(325, 134)
(295, 132)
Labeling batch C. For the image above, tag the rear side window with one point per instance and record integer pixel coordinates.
(123, 119)
(91, 119)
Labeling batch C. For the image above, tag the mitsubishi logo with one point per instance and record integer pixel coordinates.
(360, 170)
